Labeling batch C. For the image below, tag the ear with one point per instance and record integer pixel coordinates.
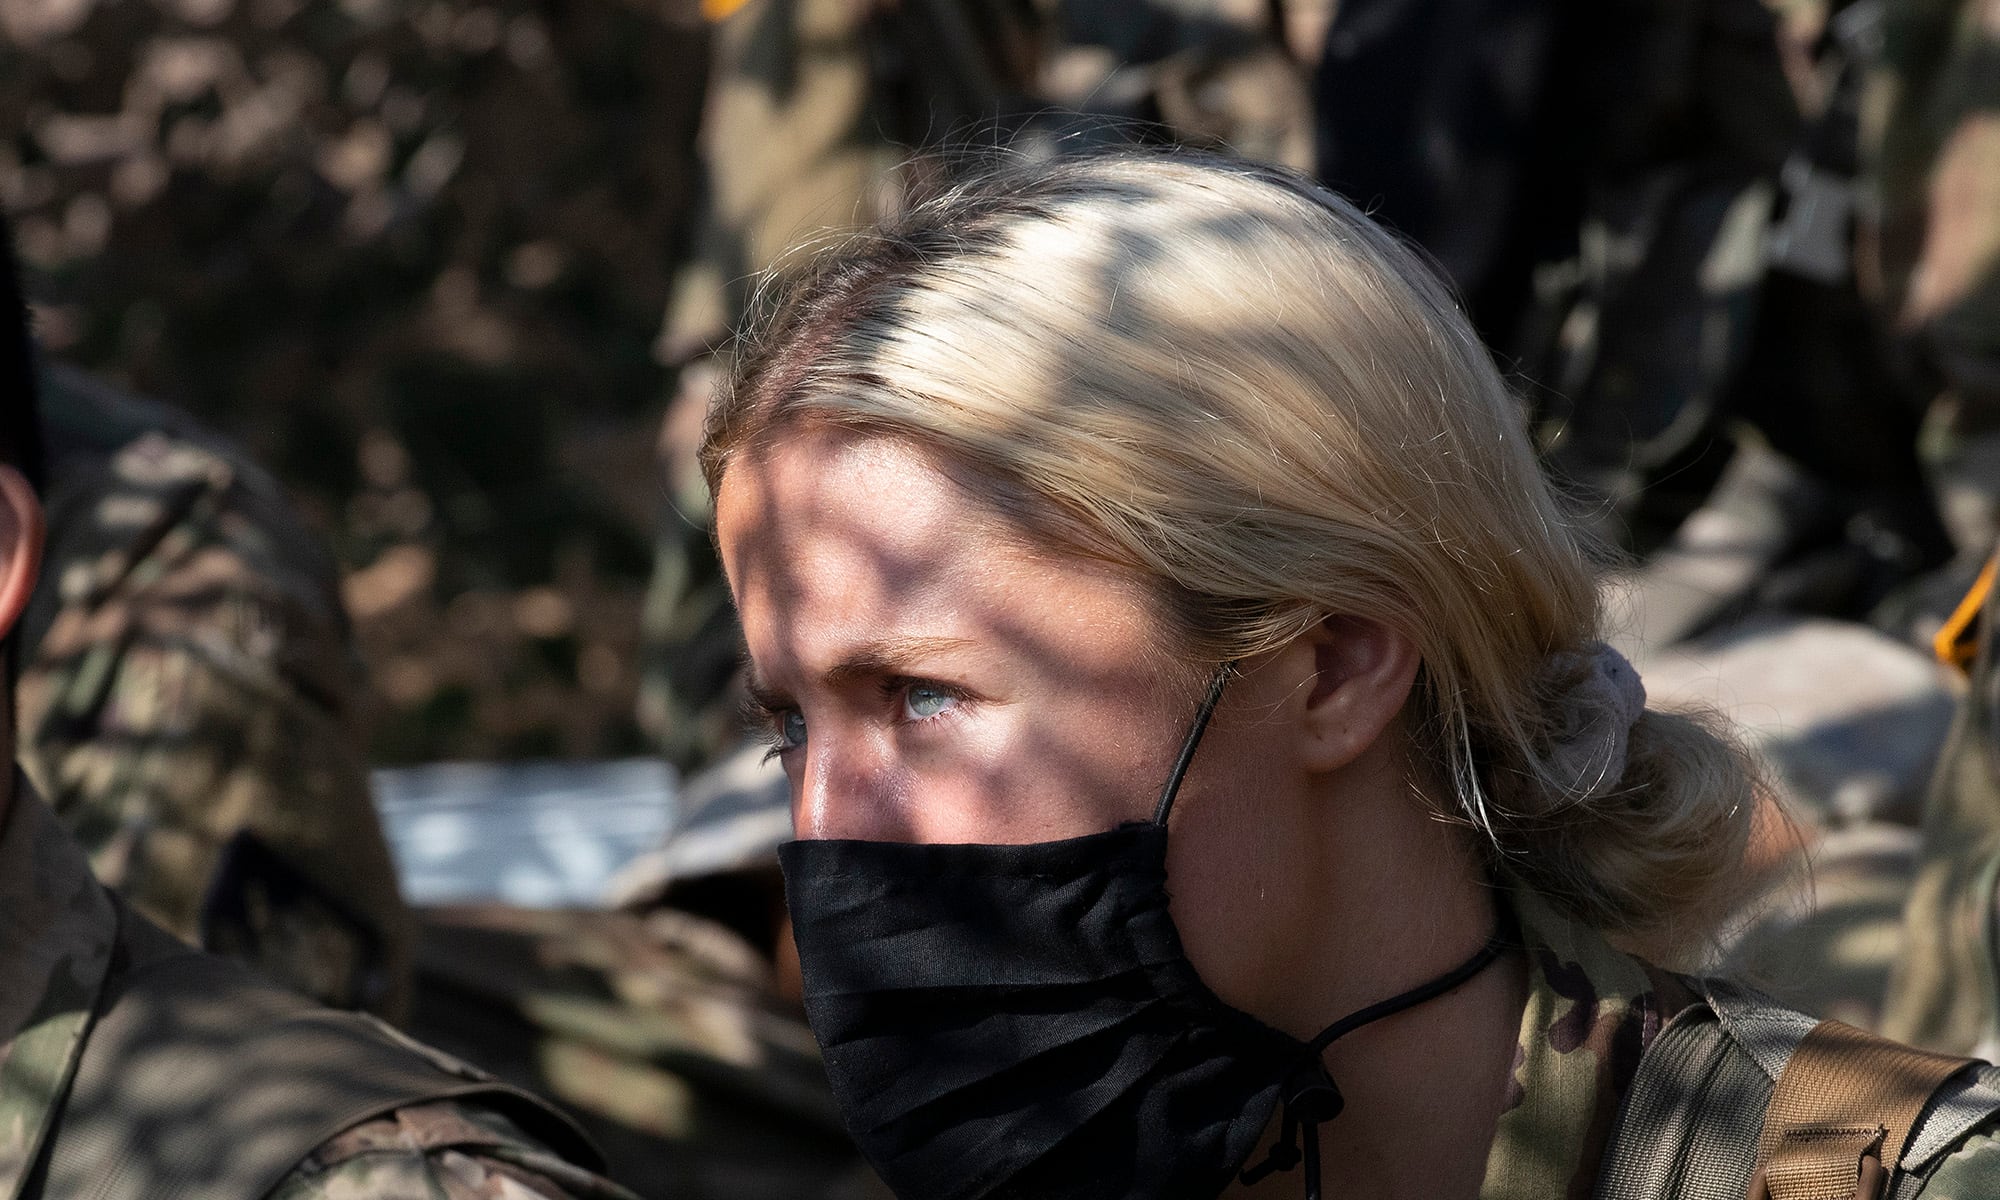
(21, 533)
(1363, 673)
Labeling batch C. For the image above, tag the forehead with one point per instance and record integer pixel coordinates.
(820, 499)
(830, 538)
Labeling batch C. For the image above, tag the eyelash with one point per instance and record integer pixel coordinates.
(765, 721)
(898, 687)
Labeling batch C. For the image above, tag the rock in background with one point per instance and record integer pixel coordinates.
(1849, 724)
(1849, 720)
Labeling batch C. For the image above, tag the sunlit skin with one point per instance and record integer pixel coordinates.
(927, 676)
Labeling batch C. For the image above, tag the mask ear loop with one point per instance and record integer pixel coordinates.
(1192, 743)
(1311, 1099)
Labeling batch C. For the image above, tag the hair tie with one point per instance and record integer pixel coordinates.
(1587, 751)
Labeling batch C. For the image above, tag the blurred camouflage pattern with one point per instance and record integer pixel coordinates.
(412, 254)
(1928, 261)
(1944, 992)
(1598, 186)
(187, 680)
(813, 106)
(662, 1032)
(442, 1151)
(1648, 210)
(69, 946)
(191, 681)
(1932, 259)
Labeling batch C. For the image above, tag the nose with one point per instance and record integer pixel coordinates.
(849, 787)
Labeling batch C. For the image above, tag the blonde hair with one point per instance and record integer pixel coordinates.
(1227, 380)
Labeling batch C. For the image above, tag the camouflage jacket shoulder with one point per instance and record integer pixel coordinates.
(1592, 1013)
(187, 678)
(1972, 1170)
(446, 1150)
(66, 949)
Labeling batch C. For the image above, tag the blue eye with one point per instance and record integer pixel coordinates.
(922, 701)
(791, 729)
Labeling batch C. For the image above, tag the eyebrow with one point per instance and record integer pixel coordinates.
(885, 656)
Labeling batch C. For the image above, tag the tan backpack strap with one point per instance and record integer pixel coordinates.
(1842, 1114)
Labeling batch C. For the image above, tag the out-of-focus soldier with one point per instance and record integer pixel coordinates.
(811, 107)
(1944, 993)
(813, 104)
(1934, 153)
(1901, 919)
(1650, 211)
(134, 1067)
(1932, 260)
(188, 695)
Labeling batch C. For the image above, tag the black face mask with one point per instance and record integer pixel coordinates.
(1022, 1022)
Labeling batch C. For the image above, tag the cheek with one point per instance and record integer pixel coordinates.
(1003, 778)
(1238, 865)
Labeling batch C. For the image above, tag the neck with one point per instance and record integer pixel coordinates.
(1425, 1089)
(1425, 1086)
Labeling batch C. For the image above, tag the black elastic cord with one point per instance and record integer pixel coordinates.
(1189, 746)
(1318, 1100)
(1459, 974)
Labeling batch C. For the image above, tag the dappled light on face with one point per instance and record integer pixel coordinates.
(856, 609)
(1228, 383)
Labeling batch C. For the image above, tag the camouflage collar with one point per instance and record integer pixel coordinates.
(1591, 1012)
(55, 944)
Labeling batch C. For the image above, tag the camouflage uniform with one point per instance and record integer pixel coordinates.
(1592, 1012)
(670, 1027)
(1932, 152)
(1623, 193)
(812, 103)
(661, 1032)
(67, 947)
(187, 678)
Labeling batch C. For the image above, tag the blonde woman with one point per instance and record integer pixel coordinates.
(1208, 777)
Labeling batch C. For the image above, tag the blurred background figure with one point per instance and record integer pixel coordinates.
(1933, 149)
(668, 1020)
(190, 701)
(1944, 991)
(1691, 232)
(131, 1065)
(1652, 211)
(1931, 258)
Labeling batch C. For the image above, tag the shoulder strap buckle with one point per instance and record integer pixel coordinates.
(1820, 1160)
(1842, 1115)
